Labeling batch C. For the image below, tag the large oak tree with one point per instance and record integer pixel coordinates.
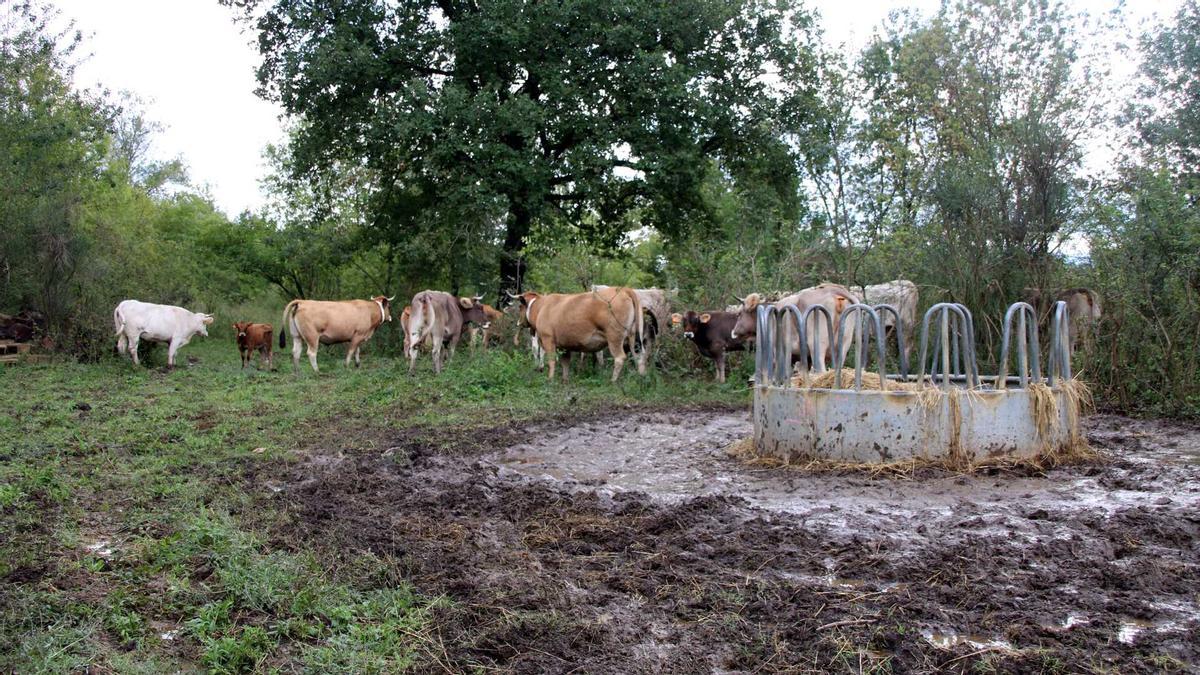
(587, 112)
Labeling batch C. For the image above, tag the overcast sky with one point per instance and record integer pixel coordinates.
(194, 68)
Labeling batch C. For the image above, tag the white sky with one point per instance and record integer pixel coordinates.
(194, 69)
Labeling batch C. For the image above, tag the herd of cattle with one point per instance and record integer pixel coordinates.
(624, 321)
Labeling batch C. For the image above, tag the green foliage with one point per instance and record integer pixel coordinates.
(585, 113)
(85, 221)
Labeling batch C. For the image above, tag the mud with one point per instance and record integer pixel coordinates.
(635, 544)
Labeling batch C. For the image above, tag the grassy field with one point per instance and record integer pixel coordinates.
(128, 540)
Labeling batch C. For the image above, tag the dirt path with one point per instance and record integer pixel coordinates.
(636, 545)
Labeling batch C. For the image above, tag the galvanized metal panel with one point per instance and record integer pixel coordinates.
(884, 426)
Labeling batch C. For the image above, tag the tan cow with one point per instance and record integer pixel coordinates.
(835, 298)
(584, 322)
(317, 322)
(656, 304)
(439, 319)
(1083, 304)
(497, 324)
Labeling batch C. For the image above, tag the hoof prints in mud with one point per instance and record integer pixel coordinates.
(845, 571)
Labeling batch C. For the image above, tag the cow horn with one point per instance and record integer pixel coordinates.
(740, 301)
(478, 298)
(512, 295)
(391, 298)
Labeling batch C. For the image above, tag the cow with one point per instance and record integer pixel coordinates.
(584, 322)
(656, 305)
(711, 332)
(316, 322)
(440, 319)
(901, 294)
(835, 298)
(253, 337)
(134, 321)
(498, 323)
(1082, 303)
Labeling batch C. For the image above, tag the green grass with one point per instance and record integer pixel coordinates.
(127, 540)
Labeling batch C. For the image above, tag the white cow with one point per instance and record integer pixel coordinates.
(901, 294)
(134, 321)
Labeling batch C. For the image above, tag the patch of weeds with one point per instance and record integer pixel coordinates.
(238, 652)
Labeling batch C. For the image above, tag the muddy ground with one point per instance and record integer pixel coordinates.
(631, 542)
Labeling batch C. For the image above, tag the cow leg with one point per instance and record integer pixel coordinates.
(550, 353)
(171, 350)
(721, 367)
(296, 349)
(122, 343)
(437, 355)
(566, 363)
(133, 349)
(617, 349)
(352, 352)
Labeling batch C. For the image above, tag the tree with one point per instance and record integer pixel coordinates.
(53, 141)
(584, 112)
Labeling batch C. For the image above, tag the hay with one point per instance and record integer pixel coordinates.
(870, 381)
(1043, 406)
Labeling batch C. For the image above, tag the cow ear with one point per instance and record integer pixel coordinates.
(704, 318)
(676, 317)
(467, 303)
(751, 301)
(208, 319)
(235, 327)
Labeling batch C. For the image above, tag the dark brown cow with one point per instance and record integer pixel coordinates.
(711, 332)
(253, 337)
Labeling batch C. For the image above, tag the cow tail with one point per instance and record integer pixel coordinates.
(637, 311)
(287, 324)
(1094, 303)
(118, 321)
(418, 319)
(434, 319)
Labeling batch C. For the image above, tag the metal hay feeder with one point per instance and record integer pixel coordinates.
(950, 412)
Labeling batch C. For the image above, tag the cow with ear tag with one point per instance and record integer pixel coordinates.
(134, 321)
(711, 332)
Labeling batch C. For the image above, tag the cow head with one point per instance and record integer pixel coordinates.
(385, 307)
(746, 325)
(472, 311)
(202, 322)
(240, 328)
(691, 322)
(524, 302)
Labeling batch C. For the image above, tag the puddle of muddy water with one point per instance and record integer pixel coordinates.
(951, 640)
(676, 456)
(1131, 628)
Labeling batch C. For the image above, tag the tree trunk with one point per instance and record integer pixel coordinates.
(512, 261)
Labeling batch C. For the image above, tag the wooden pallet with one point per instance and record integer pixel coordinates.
(12, 351)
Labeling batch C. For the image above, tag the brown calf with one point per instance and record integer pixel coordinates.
(254, 337)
